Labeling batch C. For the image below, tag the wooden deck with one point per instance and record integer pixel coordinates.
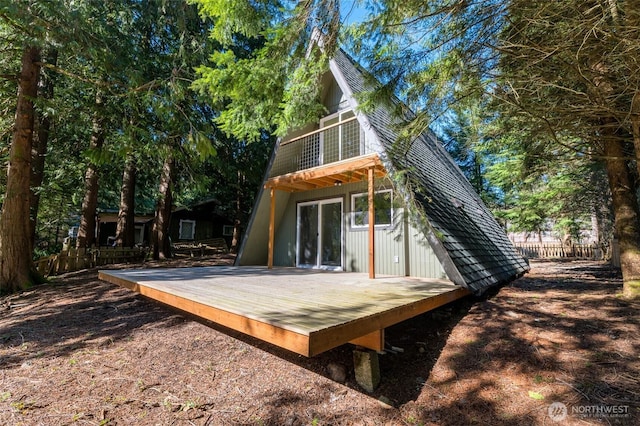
(304, 311)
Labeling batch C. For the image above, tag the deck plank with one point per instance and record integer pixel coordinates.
(325, 307)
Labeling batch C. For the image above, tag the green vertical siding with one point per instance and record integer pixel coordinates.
(422, 260)
(255, 250)
(394, 254)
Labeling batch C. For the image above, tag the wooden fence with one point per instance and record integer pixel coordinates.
(200, 248)
(76, 259)
(559, 251)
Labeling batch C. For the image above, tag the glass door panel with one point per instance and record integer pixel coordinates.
(320, 234)
(331, 241)
(308, 235)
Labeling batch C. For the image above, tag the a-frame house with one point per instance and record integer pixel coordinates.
(343, 194)
(315, 209)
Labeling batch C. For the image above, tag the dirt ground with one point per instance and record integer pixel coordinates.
(558, 346)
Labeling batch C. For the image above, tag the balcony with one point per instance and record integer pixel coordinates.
(332, 155)
(332, 143)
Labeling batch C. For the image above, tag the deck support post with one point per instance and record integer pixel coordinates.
(367, 369)
(372, 225)
(272, 227)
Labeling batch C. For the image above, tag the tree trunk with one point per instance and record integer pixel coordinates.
(87, 231)
(39, 147)
(160, 236)
(595, 224)
(635, 127)
(631, 23)
(125, 229)
(16, 251)
(626, 216)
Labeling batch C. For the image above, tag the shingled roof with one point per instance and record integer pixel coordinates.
(474, 250)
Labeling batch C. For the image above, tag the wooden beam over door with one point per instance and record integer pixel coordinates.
(372, 225)
(272, 227)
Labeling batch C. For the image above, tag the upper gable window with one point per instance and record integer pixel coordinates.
(335, 100)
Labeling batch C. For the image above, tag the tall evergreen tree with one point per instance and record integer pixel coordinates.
(263, 77)
(34, 27)
(160, 242)
(43, 127)
(86, 231)
(579, 79)
(15, 235)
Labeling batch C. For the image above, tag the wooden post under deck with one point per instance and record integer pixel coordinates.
(272, 227)
(372, 226)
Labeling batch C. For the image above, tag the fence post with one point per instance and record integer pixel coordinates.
(82, 260)
(61, 262)
(71, 260)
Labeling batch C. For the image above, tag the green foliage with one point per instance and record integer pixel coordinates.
(550, 79)
(570, 66)
(541, 187)
(264, 77)
(522, 93)
(140, 56)
(465, 135)
(529, 176)
(445, 43)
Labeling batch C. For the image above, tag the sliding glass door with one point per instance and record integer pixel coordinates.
(319, 238)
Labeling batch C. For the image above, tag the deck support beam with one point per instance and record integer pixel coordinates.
(372, 224)
(272, 227)
(373, 341)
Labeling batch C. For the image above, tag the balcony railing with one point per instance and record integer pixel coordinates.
(329, 144)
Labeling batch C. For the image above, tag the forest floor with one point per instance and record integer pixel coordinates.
(558, 346)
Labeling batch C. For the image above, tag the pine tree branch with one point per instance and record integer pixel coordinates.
(100, 83)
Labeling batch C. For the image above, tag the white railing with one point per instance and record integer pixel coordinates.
(329, 144)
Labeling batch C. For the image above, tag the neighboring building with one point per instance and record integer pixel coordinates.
(107, 222)
(200, 222)
(313, 210)
(187, 224)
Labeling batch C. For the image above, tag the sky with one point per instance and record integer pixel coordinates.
(352, 11)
